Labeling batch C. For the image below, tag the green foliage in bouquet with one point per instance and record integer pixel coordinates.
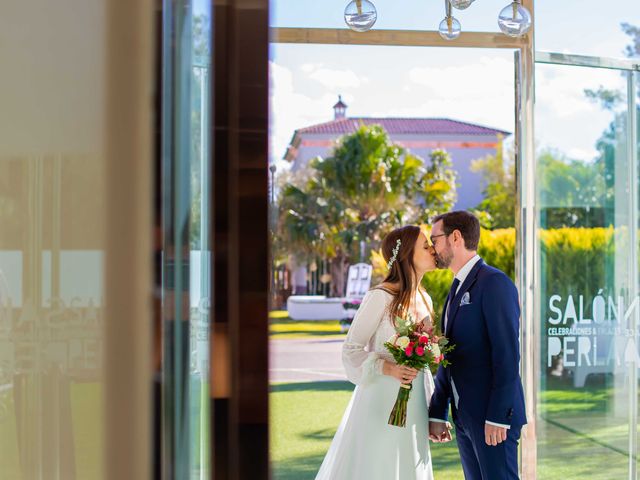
(420, 363)
(415, 348)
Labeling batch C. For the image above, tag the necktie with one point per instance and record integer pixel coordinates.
(452, 293)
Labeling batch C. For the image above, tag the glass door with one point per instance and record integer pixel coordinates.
(587, 273)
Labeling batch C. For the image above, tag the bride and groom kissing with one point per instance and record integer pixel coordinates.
(481, 382)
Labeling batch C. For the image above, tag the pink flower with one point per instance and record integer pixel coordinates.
(409, 350)
(441, 357)
(424, 339)
(420, 351)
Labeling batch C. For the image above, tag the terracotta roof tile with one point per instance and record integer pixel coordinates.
(403, 125)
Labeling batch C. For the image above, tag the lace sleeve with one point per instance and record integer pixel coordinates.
(362, 366)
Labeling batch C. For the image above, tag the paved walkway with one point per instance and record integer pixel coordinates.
(308, 360)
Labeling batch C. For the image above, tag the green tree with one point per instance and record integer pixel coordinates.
(353, 197)
(609, 141)
(610, 98)
(498, 208)
(573, 191)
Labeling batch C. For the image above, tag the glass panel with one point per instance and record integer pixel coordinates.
(586, 182)
(634, 143)
(585, 27)
(186, 254)
(52, 199)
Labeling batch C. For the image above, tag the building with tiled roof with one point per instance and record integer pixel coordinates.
(463, 140)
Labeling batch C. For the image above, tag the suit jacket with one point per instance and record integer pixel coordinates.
(485, 362)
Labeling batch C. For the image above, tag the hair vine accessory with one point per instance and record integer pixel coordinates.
(394, 253)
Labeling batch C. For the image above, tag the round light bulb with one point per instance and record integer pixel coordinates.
(514, 20)
(449, 28)
(360, 15)
(460, 4)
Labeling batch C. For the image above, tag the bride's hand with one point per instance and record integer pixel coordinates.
(401, 373)
(423, 327)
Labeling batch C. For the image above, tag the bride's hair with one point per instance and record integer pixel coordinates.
(402, 272)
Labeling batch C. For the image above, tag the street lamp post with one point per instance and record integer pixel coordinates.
(272, 223)
(272, 169)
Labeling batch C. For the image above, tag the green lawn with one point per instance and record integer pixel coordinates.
(304, 418)
(287, 328)
(579, 435)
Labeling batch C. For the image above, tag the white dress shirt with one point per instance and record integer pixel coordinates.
(462, 275)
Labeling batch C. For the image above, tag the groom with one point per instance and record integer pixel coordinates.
(482, 383)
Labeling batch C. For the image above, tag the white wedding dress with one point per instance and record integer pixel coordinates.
(365, 446)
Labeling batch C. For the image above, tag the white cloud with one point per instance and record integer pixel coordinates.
(486, 77)
(582, 153)
(480, 92)
(565, 118)
(332, 78)
(290, 109)
(310, 67)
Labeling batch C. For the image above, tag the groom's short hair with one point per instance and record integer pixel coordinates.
(465, 222)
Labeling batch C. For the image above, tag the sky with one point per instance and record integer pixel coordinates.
(473, 85)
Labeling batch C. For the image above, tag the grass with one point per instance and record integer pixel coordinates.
(304, 418)
(280, 327)
(579, 435)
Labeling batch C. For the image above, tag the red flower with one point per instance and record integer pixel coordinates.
(424, 339)
(409, 350)
(420, 351)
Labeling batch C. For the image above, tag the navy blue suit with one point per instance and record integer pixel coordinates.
(485, 369)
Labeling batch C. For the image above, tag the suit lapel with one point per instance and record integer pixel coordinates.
(455, 303)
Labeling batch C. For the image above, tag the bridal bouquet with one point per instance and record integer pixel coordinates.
(415, 348)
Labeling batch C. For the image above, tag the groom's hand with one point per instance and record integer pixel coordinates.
(494, 435)
(439, 432)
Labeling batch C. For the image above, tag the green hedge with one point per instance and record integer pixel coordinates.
(576, 261)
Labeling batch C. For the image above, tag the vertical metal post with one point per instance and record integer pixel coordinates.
(527, 247)
(632, 159)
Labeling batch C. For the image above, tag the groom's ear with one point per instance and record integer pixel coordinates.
(457, 236)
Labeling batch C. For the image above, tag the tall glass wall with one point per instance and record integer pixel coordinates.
(186, 246)
(589, 310)
(52, 240)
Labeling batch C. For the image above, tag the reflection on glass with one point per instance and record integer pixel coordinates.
(514, 20)
(52, 199)
(51, 312)
(360, 15)
(449, 28)
(589, 302)
(186, 249)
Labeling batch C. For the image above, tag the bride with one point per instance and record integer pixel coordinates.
(365, 445)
